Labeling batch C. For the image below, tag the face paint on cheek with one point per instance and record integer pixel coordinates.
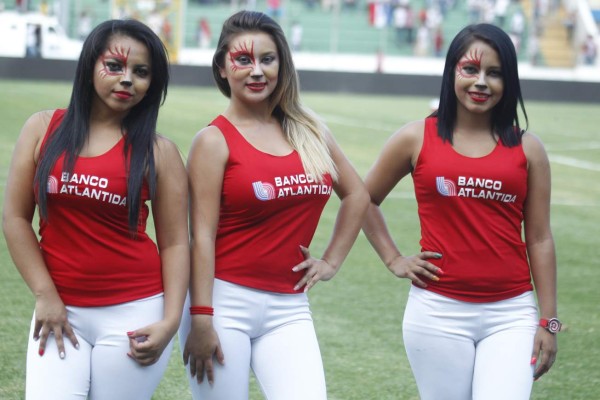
(473, 58)
(239, 53)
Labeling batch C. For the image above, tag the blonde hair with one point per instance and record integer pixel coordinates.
(303, 129)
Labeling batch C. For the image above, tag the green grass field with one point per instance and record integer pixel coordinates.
(358, 314)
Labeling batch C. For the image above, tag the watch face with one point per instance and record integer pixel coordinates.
(554, 325)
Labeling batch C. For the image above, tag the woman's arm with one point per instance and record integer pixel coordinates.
(396, 160)
(354, 201)
(169, 209)
(23, 245)
(540, 247)
(206, 168)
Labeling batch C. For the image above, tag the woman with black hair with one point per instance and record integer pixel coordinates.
(471, 327)
(108, 299)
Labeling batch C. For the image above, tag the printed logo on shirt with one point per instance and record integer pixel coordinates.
(290, 185)
(91, 186)
(478, 188)
(52, 184)
(445, 187)
(263, 191)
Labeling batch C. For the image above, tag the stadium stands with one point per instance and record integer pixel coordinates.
(351, 26)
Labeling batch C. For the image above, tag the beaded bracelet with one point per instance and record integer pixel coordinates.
(203, 310)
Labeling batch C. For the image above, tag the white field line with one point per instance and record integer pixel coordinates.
(333, 119)
(574, 162)
(573, 147)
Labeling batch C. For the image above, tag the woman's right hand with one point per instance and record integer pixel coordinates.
(201, 346)
(415, 267)
(51, 319)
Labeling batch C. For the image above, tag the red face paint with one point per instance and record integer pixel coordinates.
(473, 58)
(241, 57)
(115, 62)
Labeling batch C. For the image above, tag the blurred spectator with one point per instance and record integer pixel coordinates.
(410, 24)
(434, 18)
(203, 33)
(155, 21)
(474, 10)
(44, 7)
(533, 49)
(488, 12)
(517, 27)
(423, 16)
(500, 9)
(569, 24)
(310, 4)
(21, 5)
(540, 9)
(84, 24)
(349, 5)
(34, 41)
(422, 42)
(249, 4)
(296, 36)
(377, 13)
(400, 22)
(274, 8)
(589, 50)
(167, 32)
(438, 42)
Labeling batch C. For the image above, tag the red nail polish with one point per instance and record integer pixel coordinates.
(533, 360)
(41, 352)
(129, 333)
(440, 271)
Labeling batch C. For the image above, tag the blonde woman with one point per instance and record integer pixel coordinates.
(260, 175)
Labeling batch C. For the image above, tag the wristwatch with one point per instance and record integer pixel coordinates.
(552, 325)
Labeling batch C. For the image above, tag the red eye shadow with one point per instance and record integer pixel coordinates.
(242, 50)
(118, 54)
(472, 58)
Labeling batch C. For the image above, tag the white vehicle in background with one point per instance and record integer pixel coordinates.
(35, 35)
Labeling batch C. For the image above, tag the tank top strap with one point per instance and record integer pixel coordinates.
(430, 135)
(232, 136)
(57, 118)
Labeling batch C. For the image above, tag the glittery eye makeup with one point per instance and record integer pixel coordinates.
(469, 65)
(114, 62)
(242, 57)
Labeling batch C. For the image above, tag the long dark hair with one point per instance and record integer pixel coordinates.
(139, 124)
(505, 118)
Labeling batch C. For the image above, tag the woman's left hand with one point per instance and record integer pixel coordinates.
(147, 344)
(544, 343)
(316, 270)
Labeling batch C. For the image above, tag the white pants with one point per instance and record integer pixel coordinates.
(100, 369)
(463, 351)
(271, 333)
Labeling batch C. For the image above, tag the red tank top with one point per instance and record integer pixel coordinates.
(471, 211)
(269, 207)
(85, 242)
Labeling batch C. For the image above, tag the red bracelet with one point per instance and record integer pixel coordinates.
(203, 310)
